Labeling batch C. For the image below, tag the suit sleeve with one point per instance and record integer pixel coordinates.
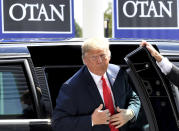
(133, 99)
(65, 116)
(173, 75)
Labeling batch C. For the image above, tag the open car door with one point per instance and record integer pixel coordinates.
(155, 91)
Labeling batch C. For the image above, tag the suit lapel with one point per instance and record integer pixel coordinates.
(92, 88)
(112, 77)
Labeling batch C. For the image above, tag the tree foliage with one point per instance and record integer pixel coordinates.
(78, 30)
(108, 17)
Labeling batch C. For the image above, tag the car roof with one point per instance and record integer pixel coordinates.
(16, 48)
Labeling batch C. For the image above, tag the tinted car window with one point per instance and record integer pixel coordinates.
(15, 96)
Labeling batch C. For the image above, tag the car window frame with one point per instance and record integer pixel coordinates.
(27, 72)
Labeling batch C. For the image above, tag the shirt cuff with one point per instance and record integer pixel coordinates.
(165, 65)
(92, 123)
(131, 113)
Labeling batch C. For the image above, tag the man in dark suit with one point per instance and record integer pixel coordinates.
(169, 69)
(98, 97)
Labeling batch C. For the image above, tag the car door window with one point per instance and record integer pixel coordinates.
(15, 96)
(154, 90)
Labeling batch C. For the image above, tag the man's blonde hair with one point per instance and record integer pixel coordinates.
(94, 44)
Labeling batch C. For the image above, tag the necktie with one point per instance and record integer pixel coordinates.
(108, 100)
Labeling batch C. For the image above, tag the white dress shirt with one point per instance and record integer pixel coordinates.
(98, 81)
(165, 65)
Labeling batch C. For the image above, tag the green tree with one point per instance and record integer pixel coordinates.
(108, 18)
(78, 30)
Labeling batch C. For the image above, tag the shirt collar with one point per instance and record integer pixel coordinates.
(97, 78)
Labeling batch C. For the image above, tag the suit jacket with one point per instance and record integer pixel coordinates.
(79, 97)
(173, 75)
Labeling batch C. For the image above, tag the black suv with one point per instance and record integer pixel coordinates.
(31, 74)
